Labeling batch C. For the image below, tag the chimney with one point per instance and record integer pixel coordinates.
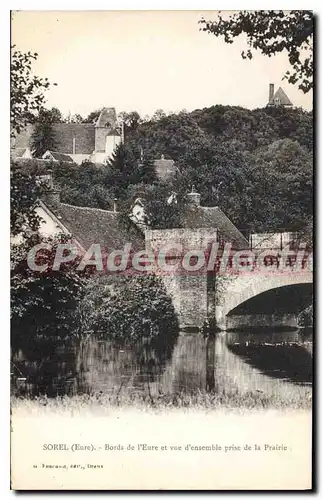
(51, 196)
(122, 132)
(271, 92)
(194, 198)
(115, 207)
(74, 145)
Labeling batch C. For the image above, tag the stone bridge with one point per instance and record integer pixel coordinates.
(246, 299)
(235, 303)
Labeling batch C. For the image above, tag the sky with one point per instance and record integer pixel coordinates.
(143, 61)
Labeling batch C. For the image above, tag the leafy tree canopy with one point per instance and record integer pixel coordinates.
(27, 90)
(272, 32)
(24, 192)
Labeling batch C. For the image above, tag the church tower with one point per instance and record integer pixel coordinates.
(107, 135)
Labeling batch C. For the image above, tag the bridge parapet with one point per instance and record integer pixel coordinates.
(212, 292)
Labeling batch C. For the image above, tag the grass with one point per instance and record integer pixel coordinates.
(226, 400)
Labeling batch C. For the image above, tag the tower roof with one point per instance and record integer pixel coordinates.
(107, 118)
(280, 98)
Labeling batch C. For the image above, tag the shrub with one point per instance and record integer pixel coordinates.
(129, 309)
(43, 304)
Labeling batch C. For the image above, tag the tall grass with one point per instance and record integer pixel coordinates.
(227, 400)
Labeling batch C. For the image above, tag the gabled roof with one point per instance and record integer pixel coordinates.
(17, 152)
(213, 218)
(58, 156)
(93, 225)
(281, 96)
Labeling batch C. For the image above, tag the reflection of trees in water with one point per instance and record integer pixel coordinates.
(106, 366)
(210, 364)
(232, 360)
(187, 371)
(48, 365)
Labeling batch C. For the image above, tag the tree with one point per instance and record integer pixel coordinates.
(24, 192)
(77, 118)
(272, 32)
(43, 304)
(158, 115)
(218, 172)
(55, 115)
(147, 170)
(131, 120)
(43, 138)
(123, 169)
(279, 191)
(128, 309)
(93, 116)
(26, 90)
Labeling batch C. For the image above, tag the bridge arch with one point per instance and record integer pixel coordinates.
(238, 290)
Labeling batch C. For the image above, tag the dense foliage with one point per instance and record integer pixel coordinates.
(26, 90)
(42, 139)
(129, 309)
(43, 303)
(24, 192)
(252, 163)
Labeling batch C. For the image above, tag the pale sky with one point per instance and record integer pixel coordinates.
(143, 61)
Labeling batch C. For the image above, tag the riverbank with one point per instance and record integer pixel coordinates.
(101, 403)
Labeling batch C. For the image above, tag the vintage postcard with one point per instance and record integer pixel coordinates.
(161, 250)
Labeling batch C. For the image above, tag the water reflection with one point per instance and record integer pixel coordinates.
(265, 362)
(285, 356)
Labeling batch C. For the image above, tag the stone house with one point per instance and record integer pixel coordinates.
(81, 141)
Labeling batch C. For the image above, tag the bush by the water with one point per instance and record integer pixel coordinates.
(43, 303)
(129, 309)
(306, 317)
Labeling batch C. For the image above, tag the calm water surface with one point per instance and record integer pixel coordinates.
(271, 363)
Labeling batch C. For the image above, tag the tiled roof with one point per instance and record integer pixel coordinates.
(59, 156)
(93, 225)
(213, 217)
(83, 133)
(63, 135)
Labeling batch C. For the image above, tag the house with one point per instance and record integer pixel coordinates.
(278, 98)
(85, 225)
(80, 141)
(137, 213)
(57, 157)
(18, 153)
(195, 216)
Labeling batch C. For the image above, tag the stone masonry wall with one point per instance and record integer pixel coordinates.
(189, 291)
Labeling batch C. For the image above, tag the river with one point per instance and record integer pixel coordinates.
(271, 363)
